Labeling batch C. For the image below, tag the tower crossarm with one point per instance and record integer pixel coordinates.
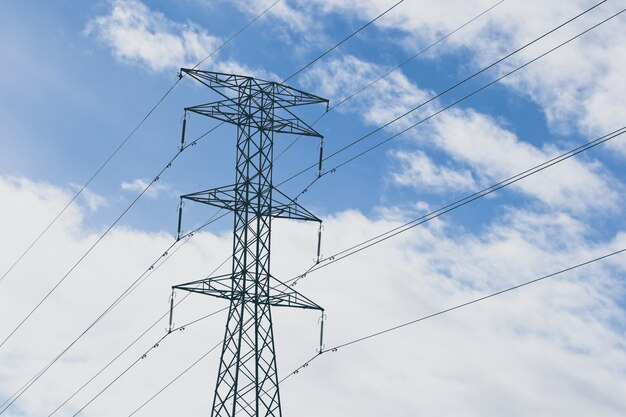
(292, 125)
(217, 81)
(283, 95)
(225, 198)
(229, 111)
(221, 197)
(287, 96)
(291, 210)
(280, 294)
(226, 110)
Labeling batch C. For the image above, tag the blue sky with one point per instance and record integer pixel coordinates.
(79, 76)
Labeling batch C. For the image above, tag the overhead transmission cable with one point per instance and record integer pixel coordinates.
(431, 216)
(337, 45)
(333, 107)
(182, 148)
(204, 355)
(157, 321)
(322, 263)
(487, 191)
(96, 242)
(17, 394)
(392, 70)
(600, 140)
(125, 140)
(466, 304)
(579, 35)
(396, 327)
(144, 356)
(454, 86)
(145, 189)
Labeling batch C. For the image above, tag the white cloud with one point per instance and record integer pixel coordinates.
(518, 354)
(419, 171)
(383, 101)
(496, 154)
(140, 35)
(291, 21)
(93, 200)
(470, 139)
(139, 184)
(579, 87)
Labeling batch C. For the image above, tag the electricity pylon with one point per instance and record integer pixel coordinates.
(247, 380)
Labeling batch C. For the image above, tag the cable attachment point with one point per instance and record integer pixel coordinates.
(295, 282)
(171, 325)
(319, 164)
(319, 243)
(182, 136)
(180, 220)
(321, 322)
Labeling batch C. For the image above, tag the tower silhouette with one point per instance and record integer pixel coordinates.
(247, 380)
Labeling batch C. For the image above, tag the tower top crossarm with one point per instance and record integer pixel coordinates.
(283, 95)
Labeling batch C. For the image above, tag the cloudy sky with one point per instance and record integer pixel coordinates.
(78, 77)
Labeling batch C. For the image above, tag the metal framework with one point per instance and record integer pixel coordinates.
(247, 380)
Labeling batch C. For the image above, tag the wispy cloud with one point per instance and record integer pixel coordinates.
(139, 35)
(579, 87)
(417, 170)
(563, 337)
(471, 141)
(139, 184)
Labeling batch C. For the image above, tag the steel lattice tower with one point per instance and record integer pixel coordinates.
(247, 381)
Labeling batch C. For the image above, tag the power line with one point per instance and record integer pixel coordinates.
(150, 184)
(93, 245)
(474, 301)
(342, 41)
(144, 355)
(620, 12)
(431, 216)
(103, 235)
(95, 174)
(126, 139)
(377, 145)
(16, 395)
(139, 337)
(457, 204)
(371, 83)
(168, 166)
(176, 378)
(399, 326)
(378, 129)
(448, 310)
(397, 67)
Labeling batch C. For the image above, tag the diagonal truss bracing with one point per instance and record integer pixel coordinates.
(247, 381)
